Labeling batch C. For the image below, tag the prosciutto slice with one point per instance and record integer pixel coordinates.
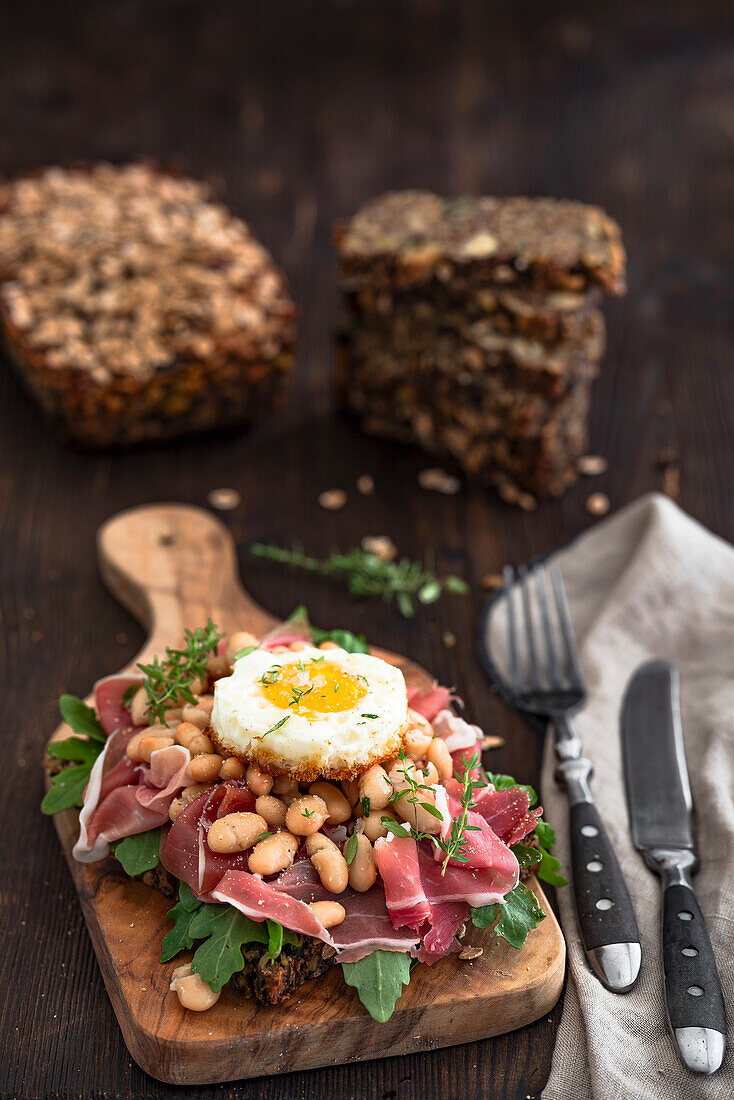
(482, 847)
(260, 900)
(429, 703)
(507, 812)
(108, 693)
(185, 852)
(475, 885)
(440, 938)
(405, 897)
(458, 734)
(129, 808)
(367, 926)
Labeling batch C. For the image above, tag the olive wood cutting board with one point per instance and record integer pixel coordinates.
(172, 566)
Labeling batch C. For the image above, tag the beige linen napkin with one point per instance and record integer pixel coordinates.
(647, 582)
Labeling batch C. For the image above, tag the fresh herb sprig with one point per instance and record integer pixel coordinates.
(168, 682)
(455, 843)
(367, 576)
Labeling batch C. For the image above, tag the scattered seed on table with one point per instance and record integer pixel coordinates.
(382, 546)
(449, 639)
(598, 504)
(438, 480)
(332, 499)
(492, 580)
(365, 485)
(671, 481)
(471, 953)
(592, 465)
(491, 741)
(224, 500)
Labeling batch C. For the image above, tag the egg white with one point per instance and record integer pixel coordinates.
(337, 743)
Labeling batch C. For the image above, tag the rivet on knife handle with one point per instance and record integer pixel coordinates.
(606, 918)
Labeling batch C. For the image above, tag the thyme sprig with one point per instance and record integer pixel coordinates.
(368, 576)
(454, 845)
(168, 681)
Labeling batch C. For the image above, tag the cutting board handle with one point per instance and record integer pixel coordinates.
(173, 566)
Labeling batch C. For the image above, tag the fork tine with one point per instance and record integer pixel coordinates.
(573, 665)
(514, 669)
(553, 667)
(534, 674)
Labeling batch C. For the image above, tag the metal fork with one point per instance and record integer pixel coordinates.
(546, 680)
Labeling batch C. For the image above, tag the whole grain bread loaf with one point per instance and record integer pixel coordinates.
(135, 308)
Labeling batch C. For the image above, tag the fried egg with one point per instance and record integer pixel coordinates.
(310, 713)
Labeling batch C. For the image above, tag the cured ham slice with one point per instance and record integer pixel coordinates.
(475, 885)
(260, 900)
(367, 926)
(429, 703)
(440, 939)
(185, 852)
(507, 812)
(108, 693)
(129, 808)
(398, 864)
(482, 847)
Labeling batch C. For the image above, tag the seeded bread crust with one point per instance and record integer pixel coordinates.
(135, 308)
(405, 239)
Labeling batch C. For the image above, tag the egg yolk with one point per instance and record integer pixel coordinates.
(310, 688)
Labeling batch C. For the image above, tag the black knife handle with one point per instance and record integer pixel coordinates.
(692, 985)
(603, 904)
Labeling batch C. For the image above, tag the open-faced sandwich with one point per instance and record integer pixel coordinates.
(304, 808)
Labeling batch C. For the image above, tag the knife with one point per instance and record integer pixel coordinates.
(660, 810)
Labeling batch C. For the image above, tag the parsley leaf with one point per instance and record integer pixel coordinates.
(379, 979)
(518, 914)
(138, 853)
(81, 718)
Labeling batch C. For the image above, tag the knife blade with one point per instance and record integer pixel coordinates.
(660, 812)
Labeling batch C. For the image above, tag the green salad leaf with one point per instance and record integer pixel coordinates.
(81, 718)
(518, 914)
(138, 853)
(224, 931)
(379, 979)
(66, 789)
(526, 855)
(504, 782)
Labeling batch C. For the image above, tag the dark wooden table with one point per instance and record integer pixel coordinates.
(298, 111)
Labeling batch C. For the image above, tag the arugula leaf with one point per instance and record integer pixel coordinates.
(549, 868)
(74, 748)
(81, 718)
(518, 914)
(353, 643)
(129, 694)
(379, 979)
(526, 855)
(278, 937)
(179, 938)
(545, 833)
(504, 782)
(224, 930)
(138, 853)
(67, 789)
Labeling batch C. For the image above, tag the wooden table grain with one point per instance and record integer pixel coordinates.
(298, 111)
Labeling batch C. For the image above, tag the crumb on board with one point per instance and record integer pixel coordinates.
(449, 639)
(436, 479)
(224, 500)
(333, 499)
(598, 504)
(468, 953)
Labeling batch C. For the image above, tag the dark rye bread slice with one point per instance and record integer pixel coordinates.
(135, 308)
(550, 317)
(405, 239)
(507, 367)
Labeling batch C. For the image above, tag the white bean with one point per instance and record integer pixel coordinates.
(363, 869)
(331, 867)
(375, 785)
(306, 815)
(337, 805)
(259, 781)
(328, 912)
(273, 854)
(192, 991)
(440, 757)
(235, 832)
(272, 809)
